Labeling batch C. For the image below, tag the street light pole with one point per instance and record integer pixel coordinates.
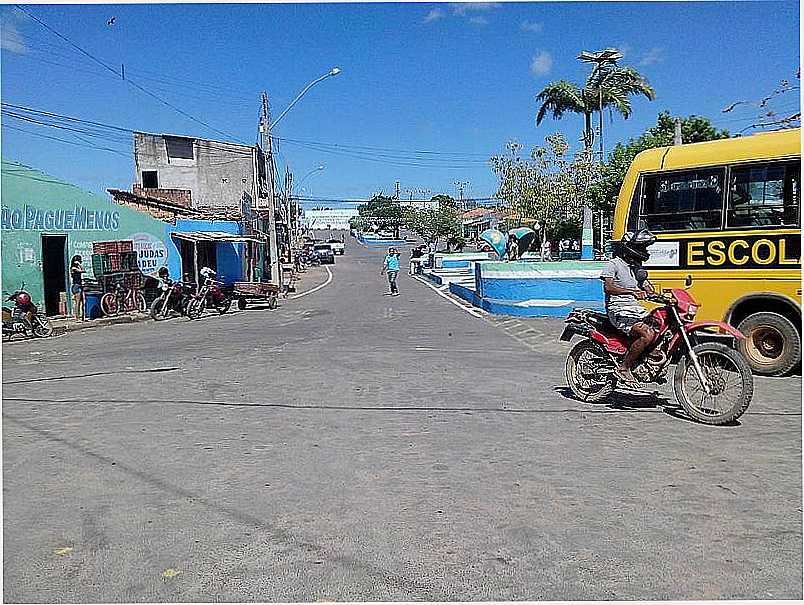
(266, 126)
(331, 73)
(304, 178)
(609, 56)
(265, 134)
(460, 186)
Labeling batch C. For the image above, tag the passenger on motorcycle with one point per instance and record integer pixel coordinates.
(623, 292)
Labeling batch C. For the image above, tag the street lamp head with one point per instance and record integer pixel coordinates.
(320, 167)
(609, 55)
(334, 71)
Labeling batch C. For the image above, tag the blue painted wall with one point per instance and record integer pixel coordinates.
(561, 288)
(230, 255)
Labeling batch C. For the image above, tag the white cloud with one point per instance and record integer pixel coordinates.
(653, 56)
(461, 8)
(625, 49)
(531, 26)
(479, 20)
(10, 39)
(541, 64)
(434, 15)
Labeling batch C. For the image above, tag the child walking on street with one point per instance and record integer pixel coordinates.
(391, 264)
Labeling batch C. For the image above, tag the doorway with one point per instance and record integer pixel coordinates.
(54, 271)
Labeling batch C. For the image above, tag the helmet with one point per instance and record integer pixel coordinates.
(23, 299)
(635, 244)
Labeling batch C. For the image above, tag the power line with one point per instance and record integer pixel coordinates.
(120, 75)
(44, 136)
(220, 145)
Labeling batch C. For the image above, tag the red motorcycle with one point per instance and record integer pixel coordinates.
(711, 381)
(174, 297)
(24, 318)
(211, 294)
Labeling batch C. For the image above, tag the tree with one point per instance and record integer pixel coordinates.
(694, 129)
(432, 224)
(616, 85)
(549, 186)
(383, 211)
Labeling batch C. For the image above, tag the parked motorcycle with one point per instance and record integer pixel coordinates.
(24, 318)
(175, 297)
(211, 294)
(711, 381)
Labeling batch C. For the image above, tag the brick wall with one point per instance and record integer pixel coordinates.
(162, 215)
(180, 197)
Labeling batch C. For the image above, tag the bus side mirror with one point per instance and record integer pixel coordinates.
(688, 282)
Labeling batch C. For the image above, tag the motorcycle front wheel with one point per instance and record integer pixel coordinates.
(195, 308)
(42, 327)
(731, 385)
(157, 308)
(589, 372)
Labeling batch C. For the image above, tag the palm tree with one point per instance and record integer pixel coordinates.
(609, 86)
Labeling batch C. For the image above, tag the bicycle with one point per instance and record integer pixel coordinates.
(122, 300)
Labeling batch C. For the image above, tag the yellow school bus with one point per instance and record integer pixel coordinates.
(727, 214)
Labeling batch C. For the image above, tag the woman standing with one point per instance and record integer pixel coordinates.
(77, 289)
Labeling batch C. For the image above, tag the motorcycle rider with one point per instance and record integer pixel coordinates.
(623, 292)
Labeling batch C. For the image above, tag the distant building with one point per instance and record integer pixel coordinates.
(476, 221)
(419, 204)
(214, 197)
(329, 219)
(199, 173)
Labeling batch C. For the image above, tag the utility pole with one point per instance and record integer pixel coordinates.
(677, 134)
(397, 190)
(460, 186)
(293, 214)
(265, 135)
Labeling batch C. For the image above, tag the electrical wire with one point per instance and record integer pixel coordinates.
(120, 75)
(88, 146)
(457, 154)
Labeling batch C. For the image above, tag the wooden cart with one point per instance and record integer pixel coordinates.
(247, 290)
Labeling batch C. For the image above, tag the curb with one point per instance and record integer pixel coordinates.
(71, 325)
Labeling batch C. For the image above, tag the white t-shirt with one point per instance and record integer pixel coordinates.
(623, 275)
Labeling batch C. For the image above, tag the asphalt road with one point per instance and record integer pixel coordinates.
(353, 446)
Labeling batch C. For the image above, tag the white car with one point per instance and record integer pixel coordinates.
(338, 247)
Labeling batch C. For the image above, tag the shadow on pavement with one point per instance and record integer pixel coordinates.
(640, 402)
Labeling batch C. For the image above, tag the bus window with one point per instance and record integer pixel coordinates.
(691, 200)
(633, 212)
(765, 195)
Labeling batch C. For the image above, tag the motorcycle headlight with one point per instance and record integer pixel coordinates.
(692, 311)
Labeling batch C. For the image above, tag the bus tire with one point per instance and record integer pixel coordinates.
(772, 344)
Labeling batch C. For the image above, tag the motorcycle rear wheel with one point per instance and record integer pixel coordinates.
(730, 380)
(42, 327)
(583, 372)
(223, 307)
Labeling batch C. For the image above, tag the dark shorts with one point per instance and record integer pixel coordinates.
(77, 289)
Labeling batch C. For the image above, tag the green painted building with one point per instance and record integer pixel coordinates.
(45, 222)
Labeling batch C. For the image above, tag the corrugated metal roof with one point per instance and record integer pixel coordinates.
(214, 236)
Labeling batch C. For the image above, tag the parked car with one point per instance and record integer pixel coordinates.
(325, 253)
(338, 247)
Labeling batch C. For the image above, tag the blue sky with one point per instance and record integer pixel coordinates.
(454, 78)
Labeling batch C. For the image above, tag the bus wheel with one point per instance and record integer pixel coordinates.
(772, 345)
